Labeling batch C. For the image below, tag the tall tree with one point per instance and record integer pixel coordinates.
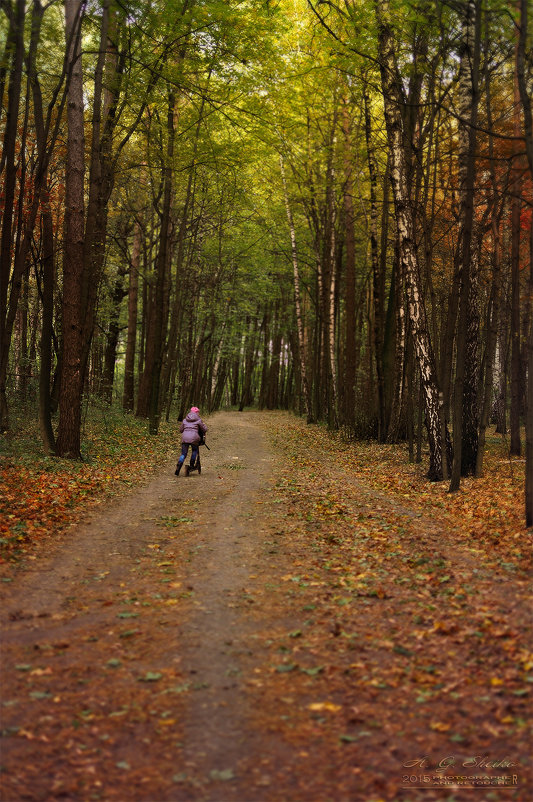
(68, 435)
(394, 101)
(8, 164)
(466, 350)
(128, 399)
(525, 98)
(302, 351)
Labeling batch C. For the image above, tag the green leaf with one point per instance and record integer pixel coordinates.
(150, 676)
(224, 774)
(312, 672)
(123, 764)
(129, 633)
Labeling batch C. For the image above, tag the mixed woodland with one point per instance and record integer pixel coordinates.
(323, 207)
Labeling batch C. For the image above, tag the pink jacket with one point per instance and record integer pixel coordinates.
(192, 429)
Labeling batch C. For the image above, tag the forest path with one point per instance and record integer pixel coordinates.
(270, 631)
(150, 708)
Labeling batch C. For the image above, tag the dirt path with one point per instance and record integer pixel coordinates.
(175, 558)
(201, 641)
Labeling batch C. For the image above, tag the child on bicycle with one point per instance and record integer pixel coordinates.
(193, 430)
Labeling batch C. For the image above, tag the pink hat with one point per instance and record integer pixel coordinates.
(195, 409)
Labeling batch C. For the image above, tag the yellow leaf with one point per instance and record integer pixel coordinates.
(317, 706)
(439, 726)
(496, 681)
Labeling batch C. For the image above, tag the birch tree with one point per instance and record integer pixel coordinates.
(393, 101)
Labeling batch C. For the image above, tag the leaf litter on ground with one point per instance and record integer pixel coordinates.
(393, 616)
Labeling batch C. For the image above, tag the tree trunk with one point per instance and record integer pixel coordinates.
(529, 401)
(113, 333)
(128, 398)
(400, 340)
(331, 297)
(468, 107)
(68, 438)
(393, 102)
(377, 283)
(491, 337)
(492, 315)
(160, 318)
(45, 401)
(9, 167)
(528, 137)
(350, 367)
(302, 356)
(470, 440)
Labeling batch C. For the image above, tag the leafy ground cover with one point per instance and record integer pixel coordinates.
(312, 622)
(41, 495)
(414, 653)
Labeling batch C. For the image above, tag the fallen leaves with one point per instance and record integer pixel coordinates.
(381, 627)
(40, 496)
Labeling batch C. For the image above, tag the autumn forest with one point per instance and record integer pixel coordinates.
(313, 206)
(312, 220)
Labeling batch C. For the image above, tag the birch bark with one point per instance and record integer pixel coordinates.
(393, 101)
(302, 356)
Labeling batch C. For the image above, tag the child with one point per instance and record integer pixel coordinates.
(192, 431)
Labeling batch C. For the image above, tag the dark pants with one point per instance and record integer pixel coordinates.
(184, 452)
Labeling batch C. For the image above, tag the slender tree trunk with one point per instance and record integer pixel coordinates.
(333, 413)
(128, 399)
(493, 308)
(302, 356)
(393, 102)
(529, 401)
(471, 399)
(45, 401)
(249, 364)
(490, 340)
(516, 204)
(468, 107)
(160, 321)
(528, 137)
(377, 284)
(263, 392)
(9, 166)
(68, 438)
(350, 367)
(400, 344)
(113, 333)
